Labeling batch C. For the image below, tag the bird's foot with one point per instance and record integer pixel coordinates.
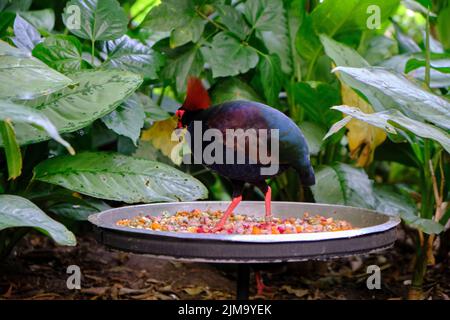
(261, 288)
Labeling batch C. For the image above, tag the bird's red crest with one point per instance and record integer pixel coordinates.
(197, 97)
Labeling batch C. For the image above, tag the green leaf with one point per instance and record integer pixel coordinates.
(15, 5)
(263, 15)
(178, 17)
(99, 19)
(315, 99)
(386, 89)
(379, 48)
(19, 212)
(25, 116)
(121, 178)
(232, 89)
(343, 184)
(74, 208)
(152, 111)
(26, 36)
(181, 64)
(390, 201)
(268, 19)
(233, 20)
(12, 149)
(391, 119)
(228, 57)
(337, 17)
(341, 54)
(443, 26)
(127, 119)
(406, 44)
(314, 135)
(441, 65)
(41, 19)
(131, 55)
(61, 52)
(271, 77)
(417, 7)
(96, 94)
(35, 78)
(295, 13)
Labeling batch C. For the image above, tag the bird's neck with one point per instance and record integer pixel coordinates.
(190, 116)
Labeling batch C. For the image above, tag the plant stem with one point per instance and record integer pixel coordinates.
(92, 51)
(427, 50)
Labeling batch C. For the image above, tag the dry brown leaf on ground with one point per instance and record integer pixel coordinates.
(299, 293)
(195, 291)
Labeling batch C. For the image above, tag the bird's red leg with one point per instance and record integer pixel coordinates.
(260, 286)
(227, 213)
(267, 203)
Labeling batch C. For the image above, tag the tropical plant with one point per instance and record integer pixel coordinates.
(106, 88)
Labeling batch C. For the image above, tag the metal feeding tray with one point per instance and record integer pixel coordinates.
(373, 231)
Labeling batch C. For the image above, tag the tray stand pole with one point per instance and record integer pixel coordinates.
(243, 281)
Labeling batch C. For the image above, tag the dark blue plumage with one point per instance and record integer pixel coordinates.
(249, 117)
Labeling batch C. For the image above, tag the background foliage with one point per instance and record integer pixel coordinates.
(108, 89)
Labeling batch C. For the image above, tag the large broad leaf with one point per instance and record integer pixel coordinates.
(387, 89)
(315, 99)
(379, 48)
(390, 201)
(181, 64)
(98, 19)
(314, 136)
(12, 149)
(26, 37)
(340, 17)
(343, 184)
(271, 77)
(16, 5)
(153, 112)
(96, 94)
(268, 19)
(127, 119)
(19, 212)
(129, 54)
(23, 116)
(362, 137)
(35, 77)
(233, 20)
(444, 27)
(233, 89)
(439, 64)
(180, 17)
(120, 178)
(295, 18)
(392, 119)
(61, 52)
(342, 55)
(228, 57)
(41, 19)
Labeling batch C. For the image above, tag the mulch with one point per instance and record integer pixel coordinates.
(37, 269)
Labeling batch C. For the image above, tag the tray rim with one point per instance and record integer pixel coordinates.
(392, 222)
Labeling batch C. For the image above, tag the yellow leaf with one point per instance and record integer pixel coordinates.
(161, 135)
(362, 137)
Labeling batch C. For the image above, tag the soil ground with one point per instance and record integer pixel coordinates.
(37, 270)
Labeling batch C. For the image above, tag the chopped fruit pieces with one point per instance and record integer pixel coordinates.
(197, 221)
